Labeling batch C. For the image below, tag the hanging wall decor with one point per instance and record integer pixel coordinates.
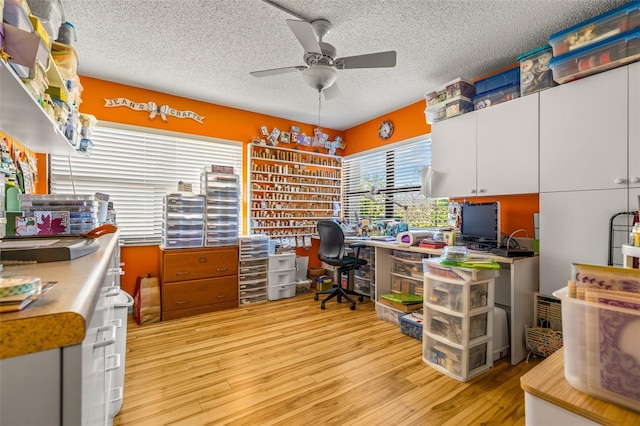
(153, 109)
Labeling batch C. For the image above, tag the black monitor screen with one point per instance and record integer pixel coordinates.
(480, 222)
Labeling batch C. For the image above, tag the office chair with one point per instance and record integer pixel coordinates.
(332, 252)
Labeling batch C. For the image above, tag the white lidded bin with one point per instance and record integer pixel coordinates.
(121, 310)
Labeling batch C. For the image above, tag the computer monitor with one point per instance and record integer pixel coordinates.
(480, 223)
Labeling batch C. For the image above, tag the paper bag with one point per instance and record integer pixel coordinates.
(146, 300)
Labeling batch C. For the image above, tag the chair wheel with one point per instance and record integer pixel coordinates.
(322, 306)
(360, 299)
(315, 297)
(352, 307)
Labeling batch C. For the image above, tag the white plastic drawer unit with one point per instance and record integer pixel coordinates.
(282, 276)
(283, 291)
(282, 261)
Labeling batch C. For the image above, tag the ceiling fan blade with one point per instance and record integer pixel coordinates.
(371, 60)
(275, 71)
(305, 35)
(331, 92)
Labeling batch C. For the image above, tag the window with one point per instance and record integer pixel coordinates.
(137, 169)
(396, 171)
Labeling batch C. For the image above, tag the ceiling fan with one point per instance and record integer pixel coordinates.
(321, 58)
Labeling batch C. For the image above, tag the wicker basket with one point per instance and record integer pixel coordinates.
(542, 341)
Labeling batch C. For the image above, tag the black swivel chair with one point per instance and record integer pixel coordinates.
(332, 252)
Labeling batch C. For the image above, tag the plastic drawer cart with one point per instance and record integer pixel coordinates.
(458, 312)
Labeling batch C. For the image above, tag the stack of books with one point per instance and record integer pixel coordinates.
(404, 302)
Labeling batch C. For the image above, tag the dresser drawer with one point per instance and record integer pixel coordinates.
(189, 294)
(183, 265)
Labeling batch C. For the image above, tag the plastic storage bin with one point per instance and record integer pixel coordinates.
(496, 81)
(282, 261)
(66, 59)
(454, 361)
(283, 291)
(497, 96)
(459, 106)
(388, 313)
(459, 329)
(597, 337)
(51, 14)
(460, 87)
(599, 28)
(597, 57)
(535, 73)
(459, 296)
(411, 325)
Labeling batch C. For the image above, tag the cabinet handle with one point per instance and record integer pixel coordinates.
(473, 191)
(635, 179)
(620, 181)
(221, 296)
(113, 291)
(221, 269)
(118, 392)
(116, 362)
(181, 302)
(203, 260)
(482, 190)
(112, 337)
(182, 273)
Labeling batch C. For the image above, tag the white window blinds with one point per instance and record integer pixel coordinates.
(397, 172)
(137, 169)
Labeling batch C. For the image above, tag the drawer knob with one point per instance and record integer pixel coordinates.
(202, 260)
(182, 273)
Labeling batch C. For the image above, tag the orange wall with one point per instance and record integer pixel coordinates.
(234, 124)
(408, 122)
(219, 122)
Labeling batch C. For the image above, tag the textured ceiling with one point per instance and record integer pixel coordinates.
(205, 49)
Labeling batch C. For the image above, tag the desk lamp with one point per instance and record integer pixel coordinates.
(371, 195)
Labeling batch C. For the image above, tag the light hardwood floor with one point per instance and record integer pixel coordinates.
(288, 362)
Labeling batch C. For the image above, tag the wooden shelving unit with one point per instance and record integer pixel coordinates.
(290, 190)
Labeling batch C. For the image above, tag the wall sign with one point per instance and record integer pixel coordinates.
(153, 109)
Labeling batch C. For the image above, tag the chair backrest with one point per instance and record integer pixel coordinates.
(331, 248)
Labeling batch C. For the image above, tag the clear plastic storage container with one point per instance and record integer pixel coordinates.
(498, 96)
(602, 56)
(535, 73)
(601, 348)
(599, 28)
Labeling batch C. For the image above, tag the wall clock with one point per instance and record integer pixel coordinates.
(385, 130)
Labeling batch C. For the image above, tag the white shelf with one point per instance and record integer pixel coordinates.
(628, 253)
(23, 119)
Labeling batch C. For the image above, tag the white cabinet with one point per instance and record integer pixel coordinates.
(487, 152)
(453, 156)
(574, 227)
(589, 168)
(583, 133)
(507, 139)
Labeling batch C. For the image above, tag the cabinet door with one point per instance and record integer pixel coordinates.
(507, 144)
(453, 157)
(574, 227)
(634, 129)
(583, 133)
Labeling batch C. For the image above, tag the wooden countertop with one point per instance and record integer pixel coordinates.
(547, 382)
(61, 315)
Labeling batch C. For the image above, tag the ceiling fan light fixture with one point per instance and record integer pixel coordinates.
(320, 76)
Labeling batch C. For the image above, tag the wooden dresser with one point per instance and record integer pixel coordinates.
(199, 280)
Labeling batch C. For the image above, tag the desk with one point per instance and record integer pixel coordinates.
(550, 399)
(514, 288)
